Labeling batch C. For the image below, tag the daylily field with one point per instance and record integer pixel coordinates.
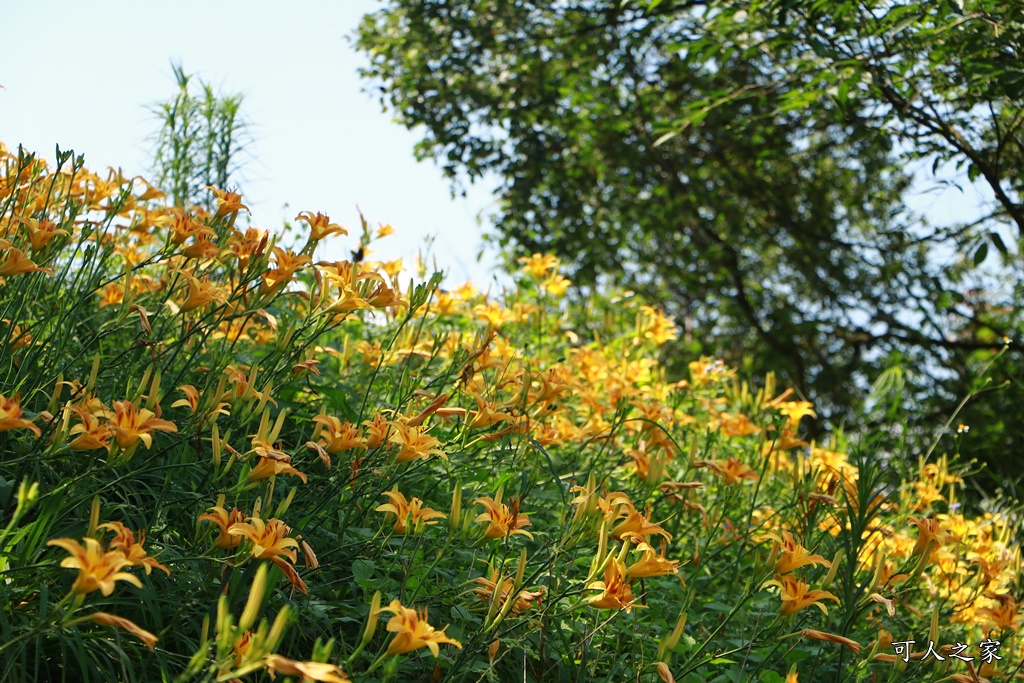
(223, 457)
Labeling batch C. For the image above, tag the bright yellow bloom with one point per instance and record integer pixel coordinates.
(797, 595)
(414, 442)
(413, 632)
(105, 619)
(539, 265)
(796, 410)
(11, 415)
(408, 511)
(615, 590)
(792, 555)
(309, 671)
(132, 424)
(502, 520)
(124, 540)
(97, 568)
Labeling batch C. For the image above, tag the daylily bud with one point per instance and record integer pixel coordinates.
(153, 400)
(215, 441)
(92, 375)
(521, 571)
(277, 630)
(877, 577)
(55, 396)
(283, 507)
(456, 511)
(371, 619)
(670, 641)
(833, 569)
(223, 619)
(933, 631)
(280, 421)
(94, 516)
(255, 599)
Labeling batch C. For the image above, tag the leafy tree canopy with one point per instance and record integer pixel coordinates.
(748, 165)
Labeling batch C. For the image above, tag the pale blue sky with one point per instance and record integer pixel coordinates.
(81, 74)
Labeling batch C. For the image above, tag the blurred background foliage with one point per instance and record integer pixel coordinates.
(753, 167)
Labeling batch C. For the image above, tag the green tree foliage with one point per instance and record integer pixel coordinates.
(201, 136)
(747, 165)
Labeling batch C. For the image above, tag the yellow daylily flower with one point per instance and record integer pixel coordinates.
(413, 632)
(501, 519)
(797, 595)
(98, 569)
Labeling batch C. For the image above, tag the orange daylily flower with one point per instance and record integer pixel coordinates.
(615, 590)
(132, 424)
(523, 601)
(106, 619)
(832, 638)
(637, 525)
(651, 564)
(408, 512)
(270, 541)
(201, 293)
(184, 226)
(376, 431)
(1005, 616)
(928, 530)
(11, 415)
(227, 202)
(309, 671)
(92, 434)
(320, 226)
(202, 248)
(270, 466)
(97, 568)
(16, 263)
(339, 436)
(124, 540)
(792, 555)
(287, 264)
(224, 521)
(413, 632)
(414, 442)
(502, 520)
(40, 231)
(797, 595)
(733, 470)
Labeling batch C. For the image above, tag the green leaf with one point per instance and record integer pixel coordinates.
(981, 253)
(362, 570)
